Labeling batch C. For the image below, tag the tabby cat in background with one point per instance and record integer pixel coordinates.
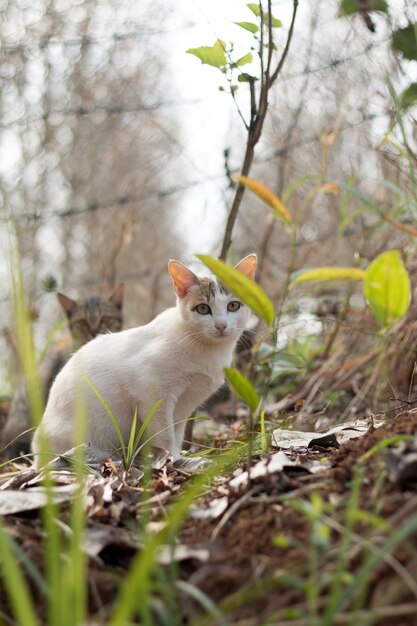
(86, 319)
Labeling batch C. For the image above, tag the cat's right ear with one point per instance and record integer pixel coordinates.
(117, 295)
(67, 304)
(247, 266)
(182, 277)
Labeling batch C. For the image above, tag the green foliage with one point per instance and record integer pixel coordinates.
(242, 388)
(16, 587)
(327, 273)
(130, 450)
(221, 54)
(250, 26)
(211, 55)
(408, 98)
(405, 41)
(386, 284)
(387, 288)
(248, 291)
(247, 58)
(350, 7)
(254, 8)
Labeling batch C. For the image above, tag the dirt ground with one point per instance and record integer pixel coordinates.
(248, 545)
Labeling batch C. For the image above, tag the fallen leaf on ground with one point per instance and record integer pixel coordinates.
(332, 438)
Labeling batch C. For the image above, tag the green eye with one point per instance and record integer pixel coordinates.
(203, 309)
(233, 306)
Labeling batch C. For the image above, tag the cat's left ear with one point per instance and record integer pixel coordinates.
(182, 277)
(67, 303)
(247, 266)
(117, 295)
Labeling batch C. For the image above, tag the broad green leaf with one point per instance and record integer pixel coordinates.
(408, 98)
(242, 388)
(211, 55)
(405, 41)
(349, 7)
(254, 8)
(267, 196)
(250, 26)
(243, 287)
(387, 288)
(327, 273)
(248, 58)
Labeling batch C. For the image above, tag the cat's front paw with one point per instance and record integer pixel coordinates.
(194, 465)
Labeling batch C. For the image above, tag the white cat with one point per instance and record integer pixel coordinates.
(178, 358)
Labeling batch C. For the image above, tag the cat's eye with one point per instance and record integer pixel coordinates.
(233, 306)
(203, 309)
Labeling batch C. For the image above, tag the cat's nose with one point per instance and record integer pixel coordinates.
(221, 327)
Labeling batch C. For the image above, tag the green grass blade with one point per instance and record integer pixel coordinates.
(15, 584)
(109, 413)
(360, 582)
(135, 584)
(131, 444)
(204, 600)
(145, 423)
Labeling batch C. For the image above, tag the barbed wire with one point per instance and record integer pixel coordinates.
(108, 109)
(89, 40)
(130, 198)
(117, 109)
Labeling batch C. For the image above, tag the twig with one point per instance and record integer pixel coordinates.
(229, 513)
(258, 115)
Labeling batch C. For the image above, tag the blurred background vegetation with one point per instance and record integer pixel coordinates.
(116, 148)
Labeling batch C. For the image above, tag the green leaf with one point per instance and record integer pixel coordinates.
(349, 7)
(387, 288)
(243, 287)
(250, 26)
(275, 22)
(245, 78)
(242, 388)
(408, 98)
(254, 8)
(248, 58)
(405, 41)
(285, 363)
(327, 273)
(211, 55)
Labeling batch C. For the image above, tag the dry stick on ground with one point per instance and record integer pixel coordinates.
(257, 118)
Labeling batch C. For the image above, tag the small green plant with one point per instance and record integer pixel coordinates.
(131, 449)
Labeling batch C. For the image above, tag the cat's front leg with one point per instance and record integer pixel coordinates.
(162, 430)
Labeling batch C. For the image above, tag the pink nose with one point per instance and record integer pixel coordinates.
(221, 327)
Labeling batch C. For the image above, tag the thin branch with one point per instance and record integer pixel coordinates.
(256, 126)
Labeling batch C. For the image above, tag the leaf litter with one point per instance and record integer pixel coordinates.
(245, 533)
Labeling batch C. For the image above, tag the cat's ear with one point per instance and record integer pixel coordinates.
(67, 304)
(247, 266)
(182, 277)
(117, 295)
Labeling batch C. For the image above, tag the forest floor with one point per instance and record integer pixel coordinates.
(264, 546)
(307, 532)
